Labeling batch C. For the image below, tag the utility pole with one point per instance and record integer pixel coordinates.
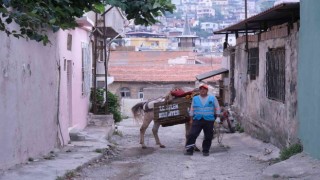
(245, 9)
(246, 24)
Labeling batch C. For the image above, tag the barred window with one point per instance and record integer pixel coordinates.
(275, 69)
(253, 63)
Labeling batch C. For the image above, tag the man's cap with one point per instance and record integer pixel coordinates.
(203, 86)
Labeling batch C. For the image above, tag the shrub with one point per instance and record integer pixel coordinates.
(114, 107)
(113, 104)
(286, 153)
(239, 128)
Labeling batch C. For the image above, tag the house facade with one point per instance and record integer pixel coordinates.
(44, 91)
(75, 78)
(262, 81)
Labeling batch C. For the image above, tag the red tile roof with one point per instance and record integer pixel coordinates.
(152, 66)
(146, 57)
(160, 73)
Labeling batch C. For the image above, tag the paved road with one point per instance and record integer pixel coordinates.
(239, 157)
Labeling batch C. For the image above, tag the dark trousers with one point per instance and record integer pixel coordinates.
(197, 126)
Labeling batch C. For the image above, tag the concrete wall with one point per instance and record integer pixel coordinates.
(28, 99)
(126, 105)
(309, 77)
(266, 119)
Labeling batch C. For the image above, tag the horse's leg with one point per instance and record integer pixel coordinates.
(155, 129)
(146, 121)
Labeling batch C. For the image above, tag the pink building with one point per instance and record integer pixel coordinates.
(45, 90)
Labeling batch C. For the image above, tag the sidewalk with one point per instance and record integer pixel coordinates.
(72, 156)
(300, 166)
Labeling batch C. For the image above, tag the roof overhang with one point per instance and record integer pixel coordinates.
(279, 14)
(109, 32)
(210, 74)
(85, 21)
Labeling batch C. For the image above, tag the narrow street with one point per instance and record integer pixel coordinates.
(239, 157)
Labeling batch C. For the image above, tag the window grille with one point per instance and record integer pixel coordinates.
(275, 72)
(253, 63)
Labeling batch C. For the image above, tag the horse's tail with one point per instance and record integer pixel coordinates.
(137, 111)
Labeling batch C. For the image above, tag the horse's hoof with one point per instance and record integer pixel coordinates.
(144, 147)
(162, 146)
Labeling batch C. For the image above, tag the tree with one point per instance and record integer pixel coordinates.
(200, 32)
(36, 17)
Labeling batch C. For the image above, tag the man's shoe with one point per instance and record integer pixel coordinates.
(188, 153)
(205, 154)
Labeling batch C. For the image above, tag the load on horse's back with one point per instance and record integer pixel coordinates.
(144, 111)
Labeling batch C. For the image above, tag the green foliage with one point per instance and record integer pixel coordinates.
(113, 104)
(239, 128)
(200, 32)
(99, 100)
(36, 17)
(290, 151)
(99, 150)
(70, 175)
(114, 107)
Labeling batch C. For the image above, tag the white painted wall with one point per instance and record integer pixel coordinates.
(127, 104)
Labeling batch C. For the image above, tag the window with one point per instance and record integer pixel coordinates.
(140, 93)
(275, 69)
(125, 92)
(253, 63)
(101, 84)
(69, 42)
(86, 69)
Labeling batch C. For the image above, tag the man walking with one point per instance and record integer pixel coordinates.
(203, 109)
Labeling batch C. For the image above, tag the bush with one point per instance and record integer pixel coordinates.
(114, 107)
(239, 128)
(99, 101)
(113, 104)
(286, 153)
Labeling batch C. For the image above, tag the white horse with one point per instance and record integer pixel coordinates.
(143, 111)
